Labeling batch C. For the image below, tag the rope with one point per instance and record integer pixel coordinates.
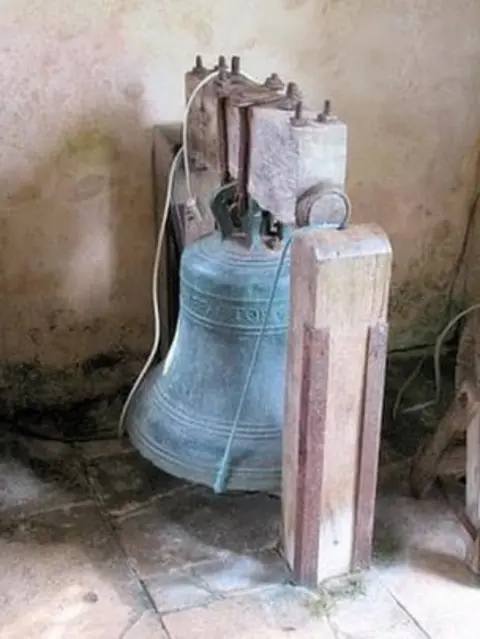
(221, 478)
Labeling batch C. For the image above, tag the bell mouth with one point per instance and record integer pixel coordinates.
(192, 468)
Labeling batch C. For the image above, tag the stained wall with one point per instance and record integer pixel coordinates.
(83, 82)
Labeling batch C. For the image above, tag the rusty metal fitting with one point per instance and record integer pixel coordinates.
(292, 96)
(326, 114)
(274, 82)
(223, 77)
(293, 91)
(199, 70)
(298, 119)
(235, 65)
(221, 64)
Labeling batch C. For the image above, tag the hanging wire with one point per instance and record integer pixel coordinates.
(221, 478)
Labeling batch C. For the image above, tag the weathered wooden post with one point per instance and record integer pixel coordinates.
(334, 397)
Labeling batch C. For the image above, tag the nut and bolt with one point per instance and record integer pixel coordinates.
(199, 70)
(274, 82)
(298, 119)
(326, 114)
(235, 65)
(293, 92)
(221, 67)
(288, 102)
(222, 63)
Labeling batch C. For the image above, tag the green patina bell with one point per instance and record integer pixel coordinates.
(182, 417)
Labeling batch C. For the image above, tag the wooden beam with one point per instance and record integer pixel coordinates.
(334, 396)
(473, 489)
(425, 465)
(371, 427)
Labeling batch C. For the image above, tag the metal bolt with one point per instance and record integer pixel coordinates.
(288, 102)
(326, 115)
(235, 65)
(293, 91)
(221, 67)
(298, 119)
(199, 70)
(274, 82)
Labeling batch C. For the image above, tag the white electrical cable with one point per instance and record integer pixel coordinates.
(156, 312)
(436, 365)
(191, 206)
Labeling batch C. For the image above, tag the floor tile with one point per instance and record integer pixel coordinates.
(63, 576)
(36, 475)
(197, 525)
(429, 576)
(238, 573)
(177, 590)
(281, 611)
(147, 625)
(361, 607)
(125, 482)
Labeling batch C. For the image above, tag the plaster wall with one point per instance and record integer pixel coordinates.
(83, 82)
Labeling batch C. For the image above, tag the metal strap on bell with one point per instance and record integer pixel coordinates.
(182, 417)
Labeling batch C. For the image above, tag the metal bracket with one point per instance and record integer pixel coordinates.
(308, 199)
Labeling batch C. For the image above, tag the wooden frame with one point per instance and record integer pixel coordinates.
(334, 396)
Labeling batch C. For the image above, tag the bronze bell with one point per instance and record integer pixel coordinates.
(182, 417)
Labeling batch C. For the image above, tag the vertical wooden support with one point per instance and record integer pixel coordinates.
(473, 490)
(334, 396)
(159, 156)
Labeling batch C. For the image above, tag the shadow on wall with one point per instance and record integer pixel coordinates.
(76, 234)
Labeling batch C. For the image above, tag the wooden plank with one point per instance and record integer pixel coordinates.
(340, 287)
(453, 463)
(425, 464)
(161, 156)
(441, 454)
(370, 444)
(287, 160)
(311, 438)
(460, 414)
(472, 474)
(302, 304)
(473, 489)
(473, 471)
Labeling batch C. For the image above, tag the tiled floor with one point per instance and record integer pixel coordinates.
(97, 544)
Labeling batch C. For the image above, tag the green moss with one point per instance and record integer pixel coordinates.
(322, 605)
(346, 588)
(333, 592)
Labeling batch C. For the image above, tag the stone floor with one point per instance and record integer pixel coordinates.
(97, 544)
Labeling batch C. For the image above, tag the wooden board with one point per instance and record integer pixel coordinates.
(442, 455)
(335, 377)
(161, 158)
